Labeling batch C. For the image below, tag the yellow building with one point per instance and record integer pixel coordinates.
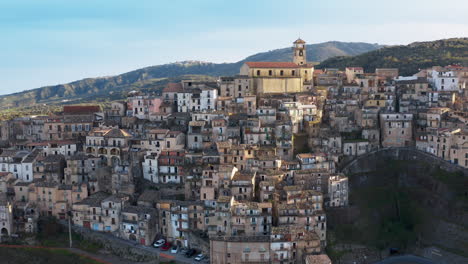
(281, 77)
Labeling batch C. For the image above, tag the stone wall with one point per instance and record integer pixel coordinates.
(367, 162)
(115, 246)
(195, 241)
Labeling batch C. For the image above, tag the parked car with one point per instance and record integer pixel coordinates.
(190, 253)
(184, 250)
(200, 257)
(174, 249)
(166, 247)
(159, 243)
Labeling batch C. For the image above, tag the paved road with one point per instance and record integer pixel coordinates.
(406, 259)
(164, 255)
(179, 258)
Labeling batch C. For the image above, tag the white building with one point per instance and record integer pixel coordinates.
(19, 163)
(184, 101)
(197, 99)
(62, 147)
(444, 80)
(150, 167)
(208, 98)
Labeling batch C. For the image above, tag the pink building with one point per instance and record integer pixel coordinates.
(142, 106)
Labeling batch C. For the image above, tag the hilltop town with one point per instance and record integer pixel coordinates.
(243, 169)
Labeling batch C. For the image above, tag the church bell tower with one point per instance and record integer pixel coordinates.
(299, 56)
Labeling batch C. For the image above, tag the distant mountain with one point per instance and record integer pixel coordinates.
(409, 59)
(155, 76)
(317, 52)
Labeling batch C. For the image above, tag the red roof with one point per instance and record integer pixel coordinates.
(173, 88)
(265, 64)
(81, 109)
(318, 71)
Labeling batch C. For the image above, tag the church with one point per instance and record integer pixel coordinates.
(281, 77)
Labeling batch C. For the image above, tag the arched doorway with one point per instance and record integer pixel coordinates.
(132, 237)
(4, 232)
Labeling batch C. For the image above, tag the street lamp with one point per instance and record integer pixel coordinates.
(69, 213)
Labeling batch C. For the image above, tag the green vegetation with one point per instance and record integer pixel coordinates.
(456, 182)
(397, 214)
(390, 219)
(394, 219)
(332, 252)
(52, 234)
(300, 144)
(42, 256)
(153, 79)
(409, 59)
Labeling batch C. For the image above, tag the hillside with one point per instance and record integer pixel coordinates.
(417, 201)
(156, 76)
(317, 52)
(409, 59)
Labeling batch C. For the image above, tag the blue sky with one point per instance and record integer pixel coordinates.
(49, 42)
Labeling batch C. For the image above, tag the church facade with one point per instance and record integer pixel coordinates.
(281, 77)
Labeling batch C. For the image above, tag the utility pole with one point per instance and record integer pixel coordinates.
(69, 213)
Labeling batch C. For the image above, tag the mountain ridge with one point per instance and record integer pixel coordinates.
(89, 87)
(407, 58)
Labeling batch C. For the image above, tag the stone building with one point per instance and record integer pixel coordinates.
(281, 77)
(139, 224)
(338, 190)
(6, 216)
(108, 144)
(396, 129)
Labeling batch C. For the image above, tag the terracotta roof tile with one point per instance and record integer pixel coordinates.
(81, 109)
(173, 88)
(265, 64)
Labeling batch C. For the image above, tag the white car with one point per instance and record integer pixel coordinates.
(174, 249)
(159, 243)
(199, 257)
